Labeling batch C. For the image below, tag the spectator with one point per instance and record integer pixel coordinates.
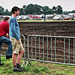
(4, 30)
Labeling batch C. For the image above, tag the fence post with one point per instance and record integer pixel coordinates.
(69, 50)
(55, 49)
(28, 50)
(51, 49)
(73, 51)
(64, 50)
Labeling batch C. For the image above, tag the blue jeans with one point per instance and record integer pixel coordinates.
(7, 41)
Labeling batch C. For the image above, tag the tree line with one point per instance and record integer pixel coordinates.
(37, 9)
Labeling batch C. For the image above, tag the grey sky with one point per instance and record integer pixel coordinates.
(66, 4)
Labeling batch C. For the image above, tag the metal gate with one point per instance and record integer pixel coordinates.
(53, 49)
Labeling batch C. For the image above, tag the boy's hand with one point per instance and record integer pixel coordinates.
(7, 35)
(18, 40)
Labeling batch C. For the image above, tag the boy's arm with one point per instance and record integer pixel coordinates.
(13, 29)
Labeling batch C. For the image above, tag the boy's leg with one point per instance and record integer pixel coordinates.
(20, 56)
(15, 67)
(16, 48)
(21, 52)
(14, 56)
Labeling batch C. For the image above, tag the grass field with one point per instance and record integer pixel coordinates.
(45, 21)
(37, 68)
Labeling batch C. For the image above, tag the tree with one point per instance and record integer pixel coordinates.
(54, 9)
(37, 9)
(46, 10)
(21, 11)
(33, 9)
(73, 11)
(59, 9)
(1, 10)
(10, 13)
(29, 9)
(24, 9)
(6, 12)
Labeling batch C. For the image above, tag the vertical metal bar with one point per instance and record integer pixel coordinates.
(43, 48)
(35, 47)
(51, 48)
(39, 47)
(64, 50)
(69, 50)
(32, 47)
(28, 46)
(47, 48)
(55, 49)
(25, 51)
(73, 51)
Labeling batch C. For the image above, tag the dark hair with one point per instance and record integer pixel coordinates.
(15, 8)
(6, 18)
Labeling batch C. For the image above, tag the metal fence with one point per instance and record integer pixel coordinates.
(53, 49)
(44, 48)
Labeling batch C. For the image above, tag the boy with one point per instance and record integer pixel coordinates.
(14, 34)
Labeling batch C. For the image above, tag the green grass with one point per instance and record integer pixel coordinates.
(37, 68)
(45, 21)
